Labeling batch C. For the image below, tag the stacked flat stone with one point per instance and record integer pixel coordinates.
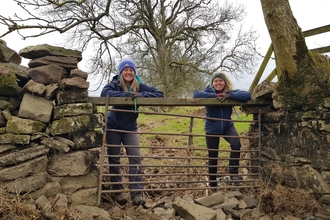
(47, 127)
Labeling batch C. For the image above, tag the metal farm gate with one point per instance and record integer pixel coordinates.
(184, 168)
(173, 167)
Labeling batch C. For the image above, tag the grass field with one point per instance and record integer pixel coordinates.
(181, 124)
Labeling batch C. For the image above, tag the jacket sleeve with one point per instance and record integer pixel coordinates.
(149, 91)
(112, 90)
(238, 95)
(204, 94)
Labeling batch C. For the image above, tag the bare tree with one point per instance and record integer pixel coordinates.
(305, 78)
(176, 44)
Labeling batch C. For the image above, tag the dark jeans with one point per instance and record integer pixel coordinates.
(117, 138)
(213, 144)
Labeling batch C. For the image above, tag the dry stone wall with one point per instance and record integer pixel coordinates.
(49, 133)
(295, 148)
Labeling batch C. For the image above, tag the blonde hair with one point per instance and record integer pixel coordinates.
(229, 85)
(134, 87)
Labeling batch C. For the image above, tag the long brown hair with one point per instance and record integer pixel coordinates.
(134, 87)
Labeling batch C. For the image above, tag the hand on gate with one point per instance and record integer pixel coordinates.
(222, 96)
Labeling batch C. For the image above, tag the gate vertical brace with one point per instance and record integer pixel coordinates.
(103, 147)
(259, 142)
(190, 142)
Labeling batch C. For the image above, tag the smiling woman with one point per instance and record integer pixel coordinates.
(221, 87)
(126, 84)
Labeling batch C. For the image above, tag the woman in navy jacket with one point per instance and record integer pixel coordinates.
(126, 84)
(221, 88)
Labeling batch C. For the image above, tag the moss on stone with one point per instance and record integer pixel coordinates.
(308, 89)
(73, 124)
(9, 138)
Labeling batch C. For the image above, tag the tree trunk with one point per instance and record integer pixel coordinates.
(304, 81)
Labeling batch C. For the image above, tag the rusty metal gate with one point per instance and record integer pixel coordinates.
(179, 168)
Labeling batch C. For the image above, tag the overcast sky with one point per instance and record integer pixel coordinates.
(309, 15)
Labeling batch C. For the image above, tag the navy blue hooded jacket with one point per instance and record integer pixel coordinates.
(126, 120)
(222, 112)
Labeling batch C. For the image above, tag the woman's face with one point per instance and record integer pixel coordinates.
(218, 84)
(128, 74)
